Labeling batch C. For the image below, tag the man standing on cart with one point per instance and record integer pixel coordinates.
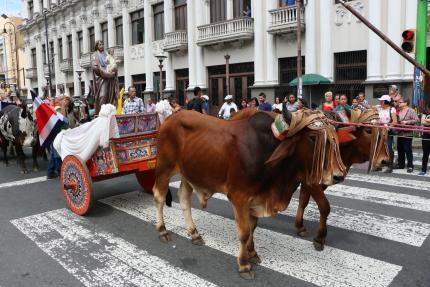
(132, 104)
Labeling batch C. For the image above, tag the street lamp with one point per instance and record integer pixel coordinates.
(227, 73)
(161, 58)
(4, 16)
(79, 72)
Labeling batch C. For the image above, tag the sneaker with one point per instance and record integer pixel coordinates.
(422, 173)
(51, 176)
(410, 170)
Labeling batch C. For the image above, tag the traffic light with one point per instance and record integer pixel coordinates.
(408, 44)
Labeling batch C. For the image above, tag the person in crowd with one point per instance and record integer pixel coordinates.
(362, 101)
(407, 116)
(196, 103)
(388, 116)
(150, 106)
(253, 103)
(301, 104)
(354, 104)
(291, 103)
(328, 104)
(243, 104)
(425, 121)
(227, 107)
(277, 104)
(336, 100)
(247, 12)
(264, 106)
(132, 104)
(343, 104)
(393, 91)
(174, 104)
(205, 104)
(287, 3)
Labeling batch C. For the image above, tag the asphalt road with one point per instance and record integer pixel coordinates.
(379, 230)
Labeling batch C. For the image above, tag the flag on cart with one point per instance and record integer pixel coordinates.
(48, 121)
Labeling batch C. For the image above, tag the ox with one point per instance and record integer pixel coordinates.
(365, 144)
(17, 126)
(242, 159)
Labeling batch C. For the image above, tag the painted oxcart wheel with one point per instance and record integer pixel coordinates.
(76, 185)
(146, 180)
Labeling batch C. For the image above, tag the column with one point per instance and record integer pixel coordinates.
(27, 64)
(65, 54)
(259, 25)
(207, 11)
(149, 57)
(56, 59)
(311, 37)
(41, 83)
(126, 39)
(24, 9)
(111, 24)
(86, 49)
(410, 22)
(271, 57)
(97, 28)
(326, 53)
(393, 32)
(200, 68)
(36, 7)
(192, 38)
(75, 57)
(168, 27)
(374, 56)
(229, 9)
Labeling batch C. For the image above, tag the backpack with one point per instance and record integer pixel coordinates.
(195, 105)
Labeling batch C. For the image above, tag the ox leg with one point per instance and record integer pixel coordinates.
(160, 191)
(242, 216)
(4, 149)
(21, 158)
(252, 254)
(184, 193)
(303, 203)
(324, 208)
(34, 152)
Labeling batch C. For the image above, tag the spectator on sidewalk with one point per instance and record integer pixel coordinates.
(425, 121)
(227, 108)
(328, 104)
(205, 104)
(362, 101)
(264, 106)
(343, 104)
(243, 104)
(388, 117)
(292, 103)
(407, 116)
(132, 104)
(150, 106)
(253, 103)
(196, 103)
(277, 105)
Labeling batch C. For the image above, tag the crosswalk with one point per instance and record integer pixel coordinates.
(97, 257)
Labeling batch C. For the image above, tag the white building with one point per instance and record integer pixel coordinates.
(195, 35)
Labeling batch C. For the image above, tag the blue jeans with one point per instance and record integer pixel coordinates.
(54, 163)
(390, 142)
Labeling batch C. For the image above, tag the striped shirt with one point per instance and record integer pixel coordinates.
(133, 106)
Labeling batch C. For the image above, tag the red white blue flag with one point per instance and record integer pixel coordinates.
(48, 121)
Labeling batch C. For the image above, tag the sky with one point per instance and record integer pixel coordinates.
(10, 7)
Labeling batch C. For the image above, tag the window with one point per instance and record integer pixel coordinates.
(33, 58)
(92, 38)
(118, 32)
(69, 47)
(60, 49)
(288, 69)
(180, 15)
(218, 10)
(80, 44)
(30, 9)
(137, 27)
(105, 37)
(158, 21)
(350, 72)
(240, 6)
(44, 53)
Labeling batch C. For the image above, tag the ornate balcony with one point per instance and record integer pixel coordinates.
(46, 70)
(175, 41)
(66, 65)
(31, 73)
(118, 53)
(226, 31)
(85, 61)
(284, 20)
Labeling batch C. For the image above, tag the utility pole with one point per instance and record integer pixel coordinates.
(227, 73)
(47, 52)
(419, 97)
(299, 50)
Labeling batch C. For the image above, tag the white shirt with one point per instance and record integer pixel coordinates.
(385, 115)
(277, 106)
(224, 112)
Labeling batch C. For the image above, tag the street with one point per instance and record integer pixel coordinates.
(378, 235)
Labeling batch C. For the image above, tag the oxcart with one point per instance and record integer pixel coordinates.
(133, 152)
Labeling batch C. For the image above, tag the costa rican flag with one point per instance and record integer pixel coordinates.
(48, 121)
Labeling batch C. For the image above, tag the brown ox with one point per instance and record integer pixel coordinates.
(366, 144)
(242, 159)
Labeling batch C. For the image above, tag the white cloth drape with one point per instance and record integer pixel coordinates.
(84, 140)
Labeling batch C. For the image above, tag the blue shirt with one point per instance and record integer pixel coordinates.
(265, 107)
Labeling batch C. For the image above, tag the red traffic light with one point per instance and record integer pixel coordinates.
(408, 35)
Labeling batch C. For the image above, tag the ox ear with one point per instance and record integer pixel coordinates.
(283, 151)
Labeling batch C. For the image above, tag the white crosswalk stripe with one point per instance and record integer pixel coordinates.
(419, 185)
(74, 243)
(283, 253)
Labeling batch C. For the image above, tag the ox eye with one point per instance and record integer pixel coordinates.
(368, 130)
(312, 139)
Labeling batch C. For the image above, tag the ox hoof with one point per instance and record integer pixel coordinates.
(255, 259)
(247, 275)
(164, 238)
(198, 241)
(302, 233)
(24, 171)
(318, 246)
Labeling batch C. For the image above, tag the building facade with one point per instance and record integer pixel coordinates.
(196, 35)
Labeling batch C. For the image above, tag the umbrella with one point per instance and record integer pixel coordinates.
(311, 80)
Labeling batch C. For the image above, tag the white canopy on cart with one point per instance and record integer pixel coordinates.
(84, 140)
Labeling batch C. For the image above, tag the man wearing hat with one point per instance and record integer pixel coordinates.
(227, 108)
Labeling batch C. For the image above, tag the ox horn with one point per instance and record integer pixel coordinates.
(286, 113)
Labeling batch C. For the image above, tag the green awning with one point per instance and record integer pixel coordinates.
(311, 80)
